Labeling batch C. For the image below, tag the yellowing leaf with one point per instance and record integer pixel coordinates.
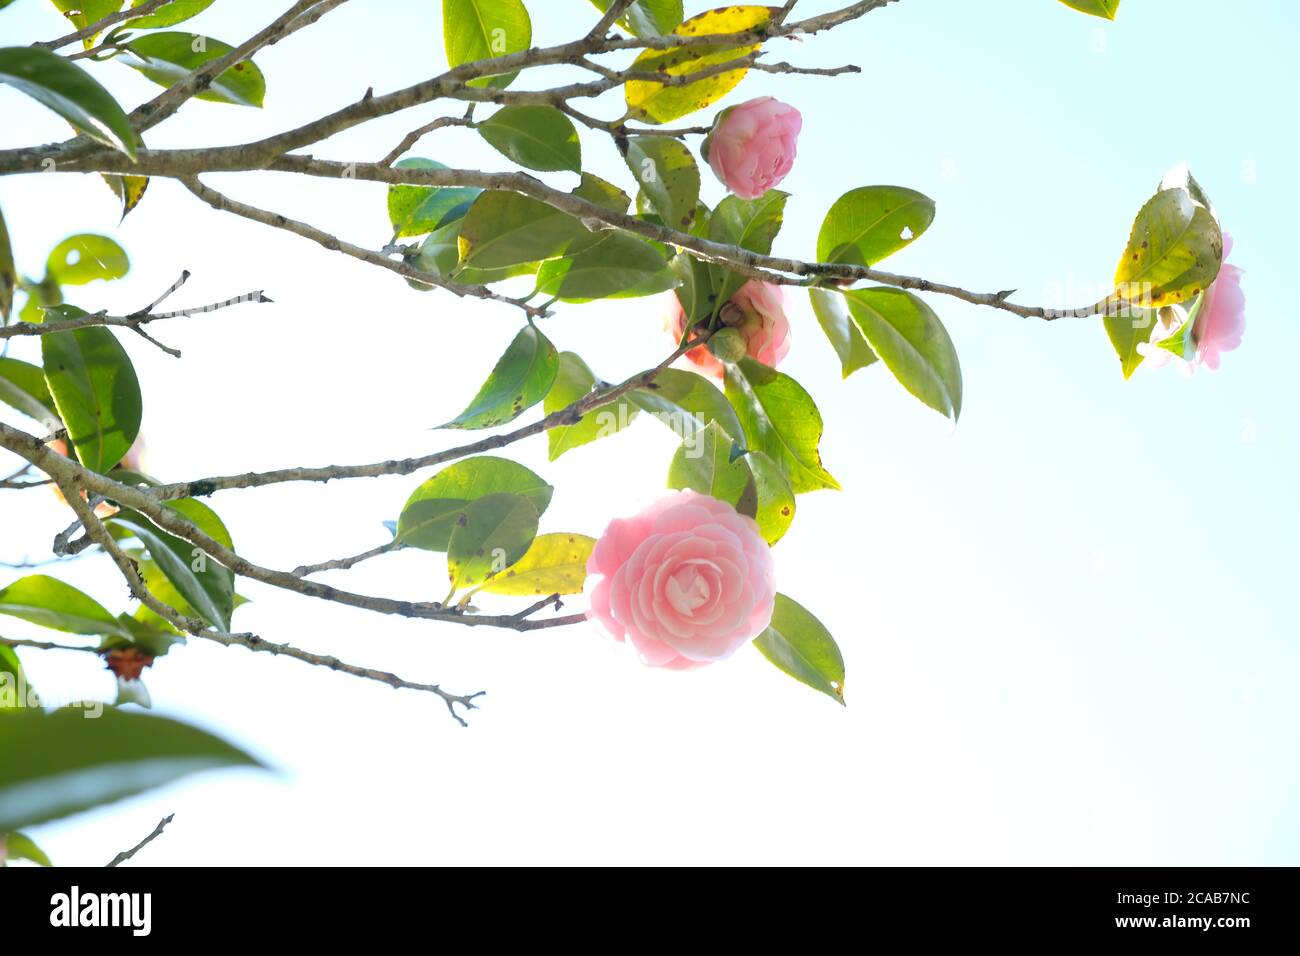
(657, 103)
(1174, 251)
(554, 564)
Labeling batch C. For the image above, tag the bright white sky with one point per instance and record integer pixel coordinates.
(1067, 622)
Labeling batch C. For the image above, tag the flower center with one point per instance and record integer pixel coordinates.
(688, 589)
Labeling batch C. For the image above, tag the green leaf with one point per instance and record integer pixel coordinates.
(1183, 341)
(416, 210)
(439, 255)
(553, 564)
(648, 18)
(867, 224)
(18, 846)
(687, 402)
(520, 379)
(52, 603)
(428, 515)
(1173, 253)
(654, 102)
(1105, 9)
(776, 503)
(912, 342)
(482, 29)
(207, 586)
(61, 763)
(8, 273)
(572, 382)
(487, 536)
(22, 386)
(95, 390)
(169, 14)
(1127, 331)
(83, 258)
(668, 176)
(71, 92)
(833, 316)
(539, 137)
(16, 690)
(505, 228)
(781, 420)
(749, 223)
(82, 13)
(169, 57)
(614, 266)
(799, 644)
(695, 289)
(705, 462)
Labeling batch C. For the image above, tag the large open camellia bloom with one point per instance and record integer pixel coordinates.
(751, 147)
(687, 581)
(1220, 322)
(756, 311)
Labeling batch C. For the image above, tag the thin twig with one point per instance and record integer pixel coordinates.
(342, 564)
(99, 26)
(157, 832)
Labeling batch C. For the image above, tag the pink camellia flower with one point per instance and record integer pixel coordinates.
(756, 311)
(1220, 322)
(686, 582)
(751, 146)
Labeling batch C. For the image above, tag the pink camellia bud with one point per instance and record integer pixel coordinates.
(751, 147)
(1220, 322)
(756, 311)
(686, 582)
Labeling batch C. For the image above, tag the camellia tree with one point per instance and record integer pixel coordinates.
(686, 580)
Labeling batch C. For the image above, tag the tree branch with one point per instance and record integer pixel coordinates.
(127, 854)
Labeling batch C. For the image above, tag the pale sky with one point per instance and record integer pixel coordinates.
(1067, 621)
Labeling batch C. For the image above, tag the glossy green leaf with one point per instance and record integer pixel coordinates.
(520, 379)
(553, 564)
(169, 57)
(417, 210)
(439, 255)
(23, 387)
(695, 287)
(52, 603)
(654, 102)
(71, 92)
(8, 273)
(207, 586)
(482, 29)
(1183, 340)
(648, 18)
(912, 342)
(686, 402)
(16, 691)
(799, 644)
(749, 223)
(615, 265)
(776, 503)
(85, 257)
(18, 846)
(867, 224)
(95, 390)
(505, 228)
(487, 536)
(428, 515)
(707, 462)
(539, 137)
(1126, 332)
(1105, 9)
(169, 14)
(1173, 253)
(668, 176)
(62, 763)
(572, 382)
(833, 316)
(782, 421)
